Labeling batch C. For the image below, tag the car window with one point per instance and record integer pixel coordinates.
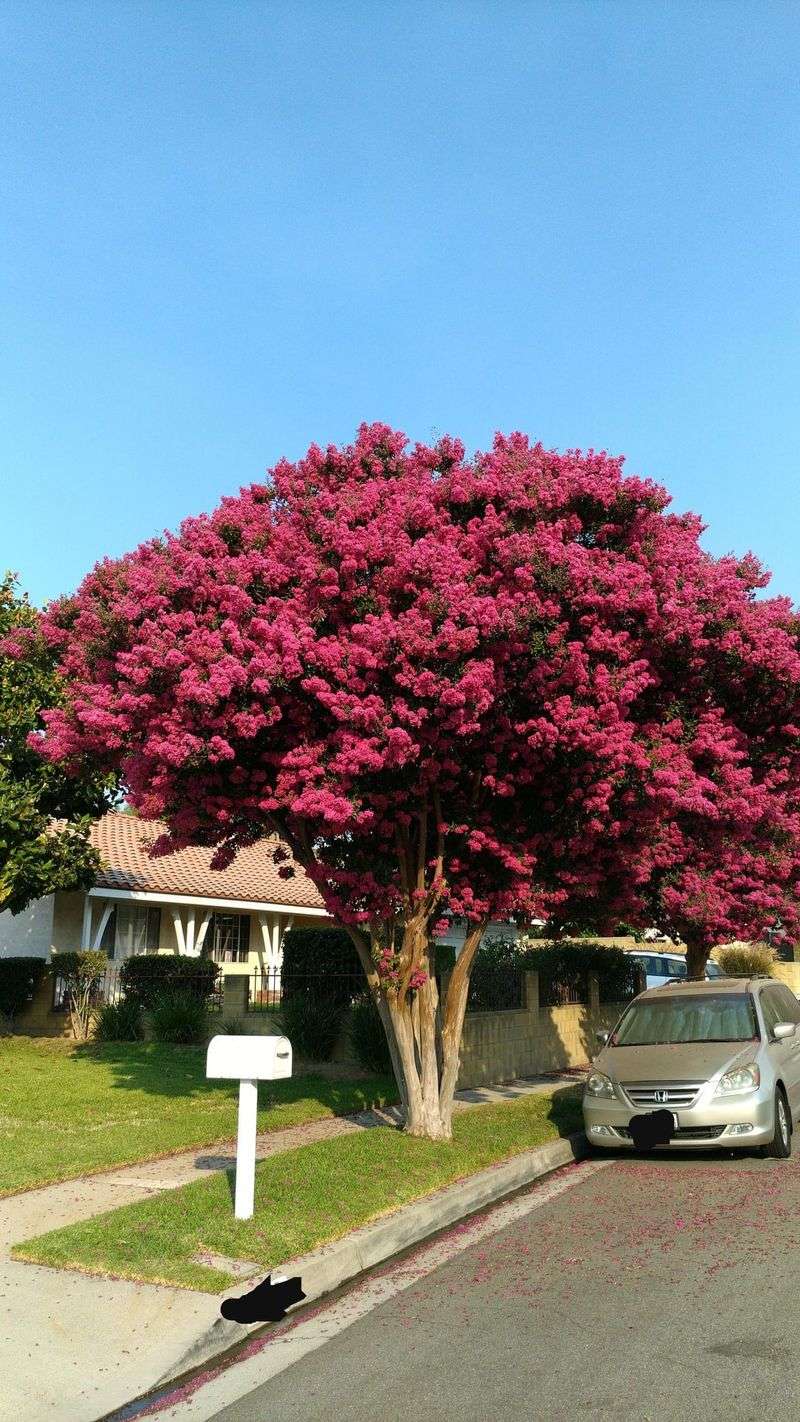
(772, 1009)
(713, 970)
(710, 1017)
(656, 965)
(789, 1004)
(674, 967)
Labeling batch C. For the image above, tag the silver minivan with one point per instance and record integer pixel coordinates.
(721, 1058)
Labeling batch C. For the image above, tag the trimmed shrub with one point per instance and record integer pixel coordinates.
(179, 1016)
(367, 1037)
(322, 963)
(746, 960)
(312, 1025)
(148, 977)
(120, 1022)
(563, 968)
(19, 979)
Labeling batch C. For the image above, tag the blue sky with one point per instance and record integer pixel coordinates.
(229, 229)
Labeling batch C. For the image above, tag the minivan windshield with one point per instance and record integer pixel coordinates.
(715, 1017)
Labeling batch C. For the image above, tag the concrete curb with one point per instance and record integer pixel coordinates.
(335, 1264)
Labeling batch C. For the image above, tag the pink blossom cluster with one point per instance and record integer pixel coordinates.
(515, 676)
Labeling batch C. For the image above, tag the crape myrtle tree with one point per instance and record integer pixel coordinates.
(480, 687)
(44, 813)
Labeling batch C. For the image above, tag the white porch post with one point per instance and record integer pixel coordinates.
(203, 930)
(86, 931)
(101, 927)
(264, 950)
(178, 925)
(190, 948)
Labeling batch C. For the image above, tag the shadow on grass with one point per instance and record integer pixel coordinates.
(160, 1069)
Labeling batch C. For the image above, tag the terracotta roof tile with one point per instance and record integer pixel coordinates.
(122, 842)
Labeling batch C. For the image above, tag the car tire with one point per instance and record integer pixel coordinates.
(780, 1147)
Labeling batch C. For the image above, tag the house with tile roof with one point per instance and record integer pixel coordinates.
(177, 903)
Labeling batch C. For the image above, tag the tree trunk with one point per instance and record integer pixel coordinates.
(425, 1042)
(696, 959)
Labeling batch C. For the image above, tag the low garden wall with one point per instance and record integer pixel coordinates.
(496, 1046)
(499, 1046)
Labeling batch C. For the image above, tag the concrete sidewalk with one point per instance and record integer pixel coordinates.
(73, 1347)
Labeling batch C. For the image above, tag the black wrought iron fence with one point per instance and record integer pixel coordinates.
(564, 992)
(110, 988)
(268, 989)
(500, 987)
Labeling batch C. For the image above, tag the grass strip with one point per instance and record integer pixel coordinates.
(68, 1110)
(305, 1197)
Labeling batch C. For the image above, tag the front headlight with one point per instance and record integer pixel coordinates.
(744, 1078)
(599, 1085)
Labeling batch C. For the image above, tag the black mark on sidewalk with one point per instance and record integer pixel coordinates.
(267, 1303)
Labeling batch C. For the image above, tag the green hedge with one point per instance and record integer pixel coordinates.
(19, 979)
(320, 962)
(567, 963)
(147, 978)
(368, 1038)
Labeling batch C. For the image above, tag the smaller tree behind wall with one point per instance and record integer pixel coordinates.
(36, 855)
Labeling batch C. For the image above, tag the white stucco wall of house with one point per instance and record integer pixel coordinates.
(68, 923)
(28, 934)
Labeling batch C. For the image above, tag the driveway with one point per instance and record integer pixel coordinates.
(644, 1288)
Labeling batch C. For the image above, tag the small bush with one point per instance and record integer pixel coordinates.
(148, 977)
(82, 974)
(312, 1025)
(19, 979)
(746, 960)
(180, 1016)
(368, 1038)
(120, 1022)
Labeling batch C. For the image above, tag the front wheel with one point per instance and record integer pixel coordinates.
(780, 1147)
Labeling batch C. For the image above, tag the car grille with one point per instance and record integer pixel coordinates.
(662, 1093)
(685, 1133)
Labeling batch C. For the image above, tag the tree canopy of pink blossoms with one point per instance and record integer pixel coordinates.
(511, 685)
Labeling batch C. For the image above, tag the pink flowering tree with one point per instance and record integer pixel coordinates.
(505, 687)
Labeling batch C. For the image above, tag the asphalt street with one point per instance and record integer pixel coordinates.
(658, 1287)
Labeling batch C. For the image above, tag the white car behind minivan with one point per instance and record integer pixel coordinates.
(664, 968)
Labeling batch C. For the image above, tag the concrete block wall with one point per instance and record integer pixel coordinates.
(499, 1046)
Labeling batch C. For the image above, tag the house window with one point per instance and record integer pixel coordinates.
(229, 937)
(131, 928)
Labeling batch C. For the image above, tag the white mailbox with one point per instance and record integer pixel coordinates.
(248, 1060)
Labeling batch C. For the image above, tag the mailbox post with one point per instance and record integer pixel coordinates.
(247, 1060)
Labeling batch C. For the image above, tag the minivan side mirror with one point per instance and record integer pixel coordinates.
(782, 1030)
(603, 1037)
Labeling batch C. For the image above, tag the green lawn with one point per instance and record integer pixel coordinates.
(304, 1197)
(67, 1110)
